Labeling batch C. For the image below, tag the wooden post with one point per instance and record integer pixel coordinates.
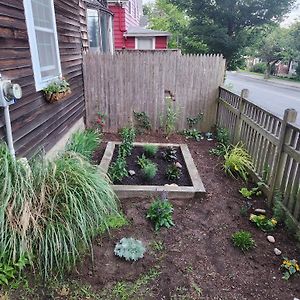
(290, 116)
(238, 124)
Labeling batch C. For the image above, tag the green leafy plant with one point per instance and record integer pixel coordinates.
(170, 118)
(142, 121)
(128, 137)
(290, 268)
(223, 139)
(192, 134)
(219, 150)
(118, 169)
(160, 213)
(114, 222)
(130, 249)
(278, 211)
(173, 173)
(193, 121)
(256, 191)
(149, 171)
(143, 161)
(84, 143)
(237, 162)
(150, 150)
(243, 240)
(57, 86)
(262, 222)
(170, 154)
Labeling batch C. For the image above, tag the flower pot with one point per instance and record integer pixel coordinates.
(55, 97)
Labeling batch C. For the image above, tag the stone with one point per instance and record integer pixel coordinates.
(260, 211)
(131, 172)
(178, 165)
(173, 184)
(277, 251)
(271, 239)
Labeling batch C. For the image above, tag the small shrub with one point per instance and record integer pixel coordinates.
(118, 170)
(143, 161)
(290, 268)
(160, 213)
(170, 154)
(128, 137)
(142, 121)
(193, 121)
(259, 68)
(246, 193)
(192, 134)
(243, 240)
(219, 150)
(149, 171)
(173, 173)
(237, 162)
(84, 143)
(262, 222)
(278, 211)
(130, 249)
(223, 136)
(150, 150)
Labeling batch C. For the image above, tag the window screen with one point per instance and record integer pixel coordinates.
(145, 43)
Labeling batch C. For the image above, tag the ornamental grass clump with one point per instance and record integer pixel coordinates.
(51, 210)
(237, 162)
(243, 240)
(150, 150)
(149, 171)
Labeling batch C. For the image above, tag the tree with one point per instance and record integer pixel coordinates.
(225, 25)
(163, 15)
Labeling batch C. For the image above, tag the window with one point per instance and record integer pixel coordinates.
(41, 27)
(145, 43)
(100, 30)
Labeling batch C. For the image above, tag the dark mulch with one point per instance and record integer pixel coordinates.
(162, 165)
(198, 249)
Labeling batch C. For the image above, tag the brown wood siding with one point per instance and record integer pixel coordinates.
(37, 124)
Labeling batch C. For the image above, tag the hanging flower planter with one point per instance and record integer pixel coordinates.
(57, 90)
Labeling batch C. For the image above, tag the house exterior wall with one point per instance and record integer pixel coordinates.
(132, 19)
(161, 42)
(130, 43)
(36, 123)
(118, 25)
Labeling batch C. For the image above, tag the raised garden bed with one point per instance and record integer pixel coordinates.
(187, 186)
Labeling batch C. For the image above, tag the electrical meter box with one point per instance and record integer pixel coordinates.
(9, 92)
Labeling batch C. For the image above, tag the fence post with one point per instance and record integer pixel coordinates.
(238, 124)
(290, 116)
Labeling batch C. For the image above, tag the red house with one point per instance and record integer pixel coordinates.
(127, 32)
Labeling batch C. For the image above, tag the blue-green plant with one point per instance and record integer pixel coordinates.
(150, 150)
(149, 171)
(170, 154)
(130, 249)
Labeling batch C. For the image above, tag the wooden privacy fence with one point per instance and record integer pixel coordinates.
(273, 143)
(118, 84)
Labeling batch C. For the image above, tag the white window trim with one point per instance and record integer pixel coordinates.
(136, 42)
(39, 82)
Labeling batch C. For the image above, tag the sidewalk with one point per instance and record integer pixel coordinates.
(271, 80)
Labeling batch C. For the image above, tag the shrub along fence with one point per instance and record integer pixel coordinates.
(273, 143)
(132, 80)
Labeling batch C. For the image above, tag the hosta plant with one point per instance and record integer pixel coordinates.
(262, 222)
(150, 150)
(130, 249)
(170, 154)
(173, 173)
(149, 171)
(290, 268)
(243, 240)
(237, 161)
(192, 134)
(160, 213)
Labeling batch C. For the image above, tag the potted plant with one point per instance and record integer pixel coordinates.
(57, 90)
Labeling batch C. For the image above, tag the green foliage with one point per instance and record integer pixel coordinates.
(149, 171)
(150, 150)
(192, 134)
(193, 121)
(118, 170)
(57, 86)
(290, 225)
(160, 213)
(223, 138)
(84, 143)
(173, 173)
(259, 68)
(114, 222)
(9, 272)
(237, 162)
(142, 121)
(290, 268)
(170, 118)
(130, 249)
(263, 222)
(143, 161)
(51, 210)
(128, 137)
(170, 154)
(243, 240)
(278, 211)
(256, 191)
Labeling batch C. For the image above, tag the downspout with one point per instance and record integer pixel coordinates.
(9, 136)
(123, 30)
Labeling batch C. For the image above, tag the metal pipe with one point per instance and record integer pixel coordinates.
(9, 136)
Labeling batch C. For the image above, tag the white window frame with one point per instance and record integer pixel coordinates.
(144, 37)
(39, 82)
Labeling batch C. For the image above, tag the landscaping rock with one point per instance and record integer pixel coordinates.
(131, 172)
(173, 184)
(277, 251)
(178, 165)
(271, 239)
(260, 211)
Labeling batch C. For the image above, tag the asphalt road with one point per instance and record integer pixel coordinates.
(274, 97)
